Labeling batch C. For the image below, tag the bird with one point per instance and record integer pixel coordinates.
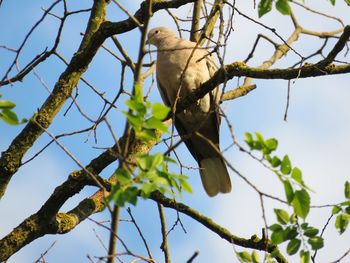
(181, 67)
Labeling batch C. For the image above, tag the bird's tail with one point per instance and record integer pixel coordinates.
(214, 175)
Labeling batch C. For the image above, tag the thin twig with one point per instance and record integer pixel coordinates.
(46, 251)
(195, 254)
(164, 245)
(342, 257)
(140, 232)
(287, 104)
(112, 248)
(322, 232)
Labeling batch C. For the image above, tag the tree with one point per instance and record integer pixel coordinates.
(95, 88)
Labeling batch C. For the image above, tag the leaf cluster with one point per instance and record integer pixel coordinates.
(152, 169)
(297, 197)
(144, 116)
(343, 211)
(265, 6)
(244, 256)
(7, 114)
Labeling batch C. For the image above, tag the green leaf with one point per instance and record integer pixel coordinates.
(346, 1)
(283, 7)
(316, 242)
(136, 106)
(135, 121)
(138, 96)
(297, 175)
(259, 137)
(257, 145)
(347, 190)
(275, 162)
(264, 7)
(311, 231)
(304, 226)
(123, 177)
(255, 257)
(6, 104)
(147, 189)
(291, 232)
(185, 186)
(130, 195)
(170, 160)
(347, 210)
(293, 219)
(293, 246)
(347, 202)
(336, 210)
(145, 135)
(304, 256)
(157, 159)
(342, 222)
(282, 216)
(160, 111)
(124, 195)
(275, 227)
(288, 189)
(248, 137)
(154, 123)
(271, 144)
(150, 162)
(286, 165)
(278, 237)
(244, 256)
(333, 2)
(9, 117)
(162, 178)
(301, 203)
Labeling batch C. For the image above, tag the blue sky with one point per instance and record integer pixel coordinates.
(316, 137)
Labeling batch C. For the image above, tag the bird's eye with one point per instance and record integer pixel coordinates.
(157, 31)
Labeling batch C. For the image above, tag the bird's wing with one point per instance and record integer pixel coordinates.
(163, 92)
(180, 127)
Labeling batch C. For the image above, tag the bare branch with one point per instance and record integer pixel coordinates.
(164, 245)
(113, 234)
(195, 20)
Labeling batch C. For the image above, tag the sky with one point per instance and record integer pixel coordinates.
(315, 136)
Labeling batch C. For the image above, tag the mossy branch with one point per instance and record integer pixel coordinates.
(48, 221)
(254, 242)
(97, 31)
(11, 158)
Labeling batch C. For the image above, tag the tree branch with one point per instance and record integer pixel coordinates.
(48, 221)
(195, 20)
(11, 158)
(254, 242)
(97, 31)
(240, 69)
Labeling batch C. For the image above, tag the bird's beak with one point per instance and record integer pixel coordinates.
(147, 41)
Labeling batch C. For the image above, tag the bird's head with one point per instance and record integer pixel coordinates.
(157, 35)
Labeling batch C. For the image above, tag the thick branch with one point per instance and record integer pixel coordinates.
(11, 159)
(254, 242)
(48, 221)
(344, 38)
(235, 69)
(240, 69)
(97, 31)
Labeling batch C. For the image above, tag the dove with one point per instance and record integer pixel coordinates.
(180, 69)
